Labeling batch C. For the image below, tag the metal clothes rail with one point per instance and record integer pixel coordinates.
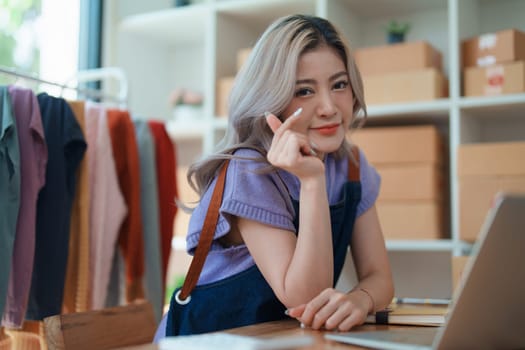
(83, 76)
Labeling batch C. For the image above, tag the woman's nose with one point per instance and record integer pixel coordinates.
(326, 107)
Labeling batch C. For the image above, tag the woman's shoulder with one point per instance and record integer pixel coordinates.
(249, 159)
(248, 153)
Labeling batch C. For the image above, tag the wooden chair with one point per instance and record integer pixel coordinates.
(5, 340)
(109, 328)
(29, 337)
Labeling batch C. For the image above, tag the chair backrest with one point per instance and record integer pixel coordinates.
(108, 328)
(5, 340)
(29, 337)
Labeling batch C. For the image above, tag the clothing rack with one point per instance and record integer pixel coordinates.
(82, 76)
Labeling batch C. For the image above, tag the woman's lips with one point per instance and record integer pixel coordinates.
(327, 129)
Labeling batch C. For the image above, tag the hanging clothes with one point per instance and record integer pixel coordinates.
(33, 160)
(77, 272)
(66, 147)
(80, 185)
(9, 189)
(165, 157)
(107, 207)
(130, 238)
(149, 200)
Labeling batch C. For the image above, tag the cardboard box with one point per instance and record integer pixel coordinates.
(410, 86)
(484, 170)
(494, 158)
(492, 48)
(476, 197)
(224, 86)
(411, 219)
(395, 58)
(458, 266)
(242, 56)
(400, 144)
(508, 78)
(412, 181)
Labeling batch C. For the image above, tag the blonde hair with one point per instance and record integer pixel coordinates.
(266, 82)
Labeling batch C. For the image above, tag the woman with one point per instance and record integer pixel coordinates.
(296, 194)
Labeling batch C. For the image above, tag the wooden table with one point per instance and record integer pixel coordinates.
(291, 327)
(288, 327)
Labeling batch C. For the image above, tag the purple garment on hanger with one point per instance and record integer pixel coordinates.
(33, 159)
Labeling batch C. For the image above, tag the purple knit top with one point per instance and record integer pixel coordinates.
(265, 198)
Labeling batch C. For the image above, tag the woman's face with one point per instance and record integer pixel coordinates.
(324, 93)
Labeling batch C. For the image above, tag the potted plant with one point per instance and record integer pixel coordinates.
(396, 31)
(179, 3)
(187, 105)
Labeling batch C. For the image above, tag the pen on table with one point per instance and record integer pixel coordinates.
(422, 301)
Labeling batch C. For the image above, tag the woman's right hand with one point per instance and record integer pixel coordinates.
(333, 310)
(291, 150)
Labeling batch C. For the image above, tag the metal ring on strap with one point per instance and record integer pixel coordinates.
(179, 301)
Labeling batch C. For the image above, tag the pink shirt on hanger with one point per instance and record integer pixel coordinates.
(107, 208)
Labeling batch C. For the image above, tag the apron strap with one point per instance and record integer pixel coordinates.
(353, 165)
(206, 237)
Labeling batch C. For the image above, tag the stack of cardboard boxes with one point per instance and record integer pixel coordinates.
(412, 162)
(404, 72)
(485, 169)
(224, 85)
(494, 63)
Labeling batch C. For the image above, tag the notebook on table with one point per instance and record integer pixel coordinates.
(488, 308)
(411, 315)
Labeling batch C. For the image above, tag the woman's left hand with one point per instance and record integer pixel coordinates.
(333, 310)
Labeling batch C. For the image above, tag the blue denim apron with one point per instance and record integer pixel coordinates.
(246, 298)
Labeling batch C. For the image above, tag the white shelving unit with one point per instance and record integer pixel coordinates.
(196, 45)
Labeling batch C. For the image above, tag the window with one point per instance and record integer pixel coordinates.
(41, 38)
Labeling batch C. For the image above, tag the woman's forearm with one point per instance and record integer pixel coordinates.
(311, 267)
(377, 288)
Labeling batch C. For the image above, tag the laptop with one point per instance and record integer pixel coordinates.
(488, 308)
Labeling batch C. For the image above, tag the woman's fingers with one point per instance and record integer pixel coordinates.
(354, 319)
(311, 315)
(330, 310)
(273, 122)
(277, 126)
(296, 312)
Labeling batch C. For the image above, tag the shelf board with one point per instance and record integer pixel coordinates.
(176, 26)
(433, 109)
(493, 103)
(390, 8)
(261, 13)
(506, 107)
(178, 130)
(426, 245)
(220, 123)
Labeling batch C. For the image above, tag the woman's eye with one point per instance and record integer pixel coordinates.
(340, 85)
(303, 92)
